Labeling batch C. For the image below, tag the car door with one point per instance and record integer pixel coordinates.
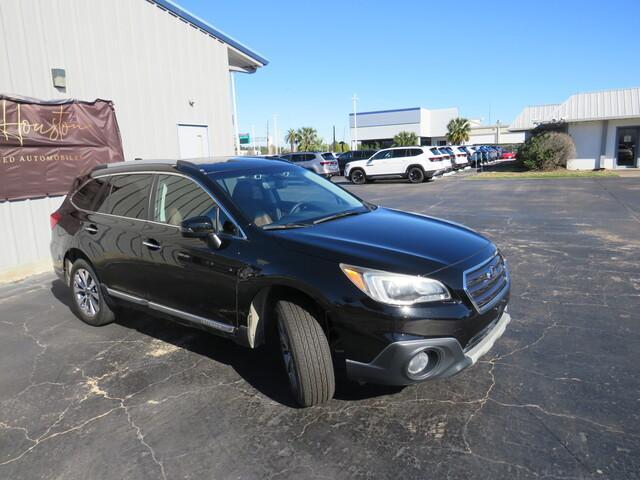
(379, 164)
(111, 232)
(189, 276)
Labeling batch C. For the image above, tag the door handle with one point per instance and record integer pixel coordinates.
(152, 244)
(92, 229)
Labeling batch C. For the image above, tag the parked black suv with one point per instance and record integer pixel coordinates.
(256, 250)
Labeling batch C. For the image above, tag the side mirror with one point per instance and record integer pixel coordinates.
(197, 227)
(201, 227)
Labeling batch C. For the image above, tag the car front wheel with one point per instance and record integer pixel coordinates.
(88, 300)
(357, 176)
(306, 355)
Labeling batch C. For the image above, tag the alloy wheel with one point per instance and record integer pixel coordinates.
(85, 292)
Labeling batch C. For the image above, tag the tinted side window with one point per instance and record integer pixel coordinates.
(400, 153)
(129, 196)
(309, 156)
(92, 193)
(413, 152)
(178, 198)
(296, 157)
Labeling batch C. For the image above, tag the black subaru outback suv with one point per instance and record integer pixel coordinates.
(258, 250)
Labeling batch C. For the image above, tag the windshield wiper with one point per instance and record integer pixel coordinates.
(337, 215)
(285, 226)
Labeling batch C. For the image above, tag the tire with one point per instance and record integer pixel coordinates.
(88, 302)
(306, 354)
(357, 176)
(415, 175)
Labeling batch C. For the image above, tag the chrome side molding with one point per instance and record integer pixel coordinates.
(190, 317)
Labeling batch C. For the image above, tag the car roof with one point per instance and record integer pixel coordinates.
(207, 165)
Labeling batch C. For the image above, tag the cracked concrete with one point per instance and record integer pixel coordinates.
(557, 397)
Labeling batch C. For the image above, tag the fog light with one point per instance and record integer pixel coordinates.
(418, 363)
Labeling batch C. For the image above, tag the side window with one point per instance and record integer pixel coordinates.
(129, 196)
(382, 154)
(296, 157)
(225, 224)
(178, 198)
(402, 152)
(309, 156)
(91, 194)
(413, 152)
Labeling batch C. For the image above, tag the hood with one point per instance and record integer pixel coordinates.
(389, 240)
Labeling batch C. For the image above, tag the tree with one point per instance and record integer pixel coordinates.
(404, 139)
(547, 151)
(458, 130)
(291, 138)
(308, 139)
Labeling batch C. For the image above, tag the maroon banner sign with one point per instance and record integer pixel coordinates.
(45, 145)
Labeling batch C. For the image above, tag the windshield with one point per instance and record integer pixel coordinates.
(286, 197)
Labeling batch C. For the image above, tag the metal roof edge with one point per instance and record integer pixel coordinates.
(207, 27)
(387, 111)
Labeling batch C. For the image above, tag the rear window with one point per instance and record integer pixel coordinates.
(129, 196)
(435, 151)
(328, 156)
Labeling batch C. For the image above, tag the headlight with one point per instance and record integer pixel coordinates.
(395, 288)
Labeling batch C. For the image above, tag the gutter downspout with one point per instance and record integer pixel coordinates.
(603, 144)
(235, 114)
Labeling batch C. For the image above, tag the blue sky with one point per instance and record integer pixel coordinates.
(486, 58)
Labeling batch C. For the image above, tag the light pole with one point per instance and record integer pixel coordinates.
(355, 122)
(275, 132)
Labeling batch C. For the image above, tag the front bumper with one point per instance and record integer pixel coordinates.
(449, 358)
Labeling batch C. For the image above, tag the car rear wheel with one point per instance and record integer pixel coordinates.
(357, 176)
(306, 355)
(88, 300)
(415, 175)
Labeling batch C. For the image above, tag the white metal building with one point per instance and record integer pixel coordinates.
(605, 127)
(379, 127)
(168, 73)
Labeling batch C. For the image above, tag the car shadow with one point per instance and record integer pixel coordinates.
(261, 368)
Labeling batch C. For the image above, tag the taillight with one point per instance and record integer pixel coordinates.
(328, 163)
(434, 159)
(54, 219)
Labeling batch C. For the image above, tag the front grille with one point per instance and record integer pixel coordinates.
(486, 282)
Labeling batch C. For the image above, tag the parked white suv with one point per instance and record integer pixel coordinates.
(416, 164)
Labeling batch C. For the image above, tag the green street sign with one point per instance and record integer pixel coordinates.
(245, 138)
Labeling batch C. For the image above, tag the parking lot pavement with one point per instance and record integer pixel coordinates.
(557, 397)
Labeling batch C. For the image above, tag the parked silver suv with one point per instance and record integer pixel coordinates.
(320, 163)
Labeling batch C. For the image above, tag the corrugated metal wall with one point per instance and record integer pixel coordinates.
(159, 70)
(148, 61)
(25, 231)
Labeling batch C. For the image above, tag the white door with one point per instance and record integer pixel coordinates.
(193, 141)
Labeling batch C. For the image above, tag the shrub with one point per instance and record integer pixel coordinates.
(547, 151)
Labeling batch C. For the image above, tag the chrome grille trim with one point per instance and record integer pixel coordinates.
(486, 283)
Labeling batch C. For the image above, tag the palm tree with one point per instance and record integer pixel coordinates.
(308, 139)
(458, 130)
(404, 139)
(291, 138)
